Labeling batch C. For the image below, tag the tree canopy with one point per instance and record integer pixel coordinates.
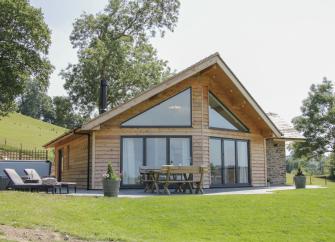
(24, 44)
(65, 115)
(35, 103)
(114, 45)
(57, 110)
(317, 121)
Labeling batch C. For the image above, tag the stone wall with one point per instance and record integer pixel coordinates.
(275, 156)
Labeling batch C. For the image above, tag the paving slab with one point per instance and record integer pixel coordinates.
(138, 193)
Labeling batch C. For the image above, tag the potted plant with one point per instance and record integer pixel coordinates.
(111, 183)
(300, 179)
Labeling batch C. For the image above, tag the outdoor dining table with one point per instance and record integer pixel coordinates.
(182, 177)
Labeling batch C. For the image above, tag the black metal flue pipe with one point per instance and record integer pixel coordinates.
(103, 97)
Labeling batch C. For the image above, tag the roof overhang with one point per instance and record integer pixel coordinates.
(188, 72)
(63, 137)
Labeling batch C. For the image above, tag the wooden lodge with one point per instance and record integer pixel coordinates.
(201, 116)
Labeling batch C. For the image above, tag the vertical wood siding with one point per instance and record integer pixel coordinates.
(74, 161)
(108, 138)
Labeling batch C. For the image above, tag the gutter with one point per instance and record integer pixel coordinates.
(287, 139)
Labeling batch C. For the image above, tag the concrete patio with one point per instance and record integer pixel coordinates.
(138, 193)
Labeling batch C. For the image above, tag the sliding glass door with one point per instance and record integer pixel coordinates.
(229, 162)
(180, 151)
(132, 157)
(243, 160)
(152, 152)
(155, 152)
(216, 161)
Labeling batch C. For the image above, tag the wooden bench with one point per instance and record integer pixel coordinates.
(186, 179)
(147, 178)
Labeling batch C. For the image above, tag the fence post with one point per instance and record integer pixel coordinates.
(46, 154)
(20, 154)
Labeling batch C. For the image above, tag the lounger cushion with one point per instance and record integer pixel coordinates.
(32, 173)
(14, 177)
(49, 181)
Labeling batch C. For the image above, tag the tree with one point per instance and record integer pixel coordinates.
(58, 110)
(114, 46)
(24, 44)
(35, 103)
(317, 122)
(65, 116)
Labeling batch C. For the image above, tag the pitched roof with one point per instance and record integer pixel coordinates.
(186, 73)
(286, 128)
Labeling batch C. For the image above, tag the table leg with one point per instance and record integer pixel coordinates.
(189, 184)
(156, 177)
(166, 188)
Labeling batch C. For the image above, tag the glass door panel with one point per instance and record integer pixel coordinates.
(180, 151)
(132, 159)
(229, 161)
(215, 154)
(242, 162)
(156, 152)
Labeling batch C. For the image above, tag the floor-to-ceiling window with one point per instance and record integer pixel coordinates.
(216, 160)
(155, 152)
(229, 160)
(132, 157)
(152, 152)
(180, 151)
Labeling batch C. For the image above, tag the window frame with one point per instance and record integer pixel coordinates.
(236, 163)
(161, 126)
(144, 137)
(230, 112)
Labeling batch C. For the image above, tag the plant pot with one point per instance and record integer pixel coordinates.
(300, 182)
(111, 187)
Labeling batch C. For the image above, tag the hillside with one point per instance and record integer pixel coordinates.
(17, 129)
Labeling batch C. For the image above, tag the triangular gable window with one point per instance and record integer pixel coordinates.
(220, 117)
(173, 112)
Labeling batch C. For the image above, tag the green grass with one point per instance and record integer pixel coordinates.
(293, 215)
(19, 129)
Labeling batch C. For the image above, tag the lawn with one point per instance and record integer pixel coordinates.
(17, 129)
(296, 215)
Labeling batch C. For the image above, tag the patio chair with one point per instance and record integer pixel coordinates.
(18, 184)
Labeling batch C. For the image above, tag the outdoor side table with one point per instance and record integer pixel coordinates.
(67, 185)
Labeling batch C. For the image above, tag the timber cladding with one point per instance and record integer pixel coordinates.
(107, 140)
(74, 167)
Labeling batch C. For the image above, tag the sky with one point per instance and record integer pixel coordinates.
(277, 49)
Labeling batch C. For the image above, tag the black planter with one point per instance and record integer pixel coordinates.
(300, 182)
(111, 187)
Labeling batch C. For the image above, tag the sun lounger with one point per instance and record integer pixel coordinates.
(33, 174)
(17, 183)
